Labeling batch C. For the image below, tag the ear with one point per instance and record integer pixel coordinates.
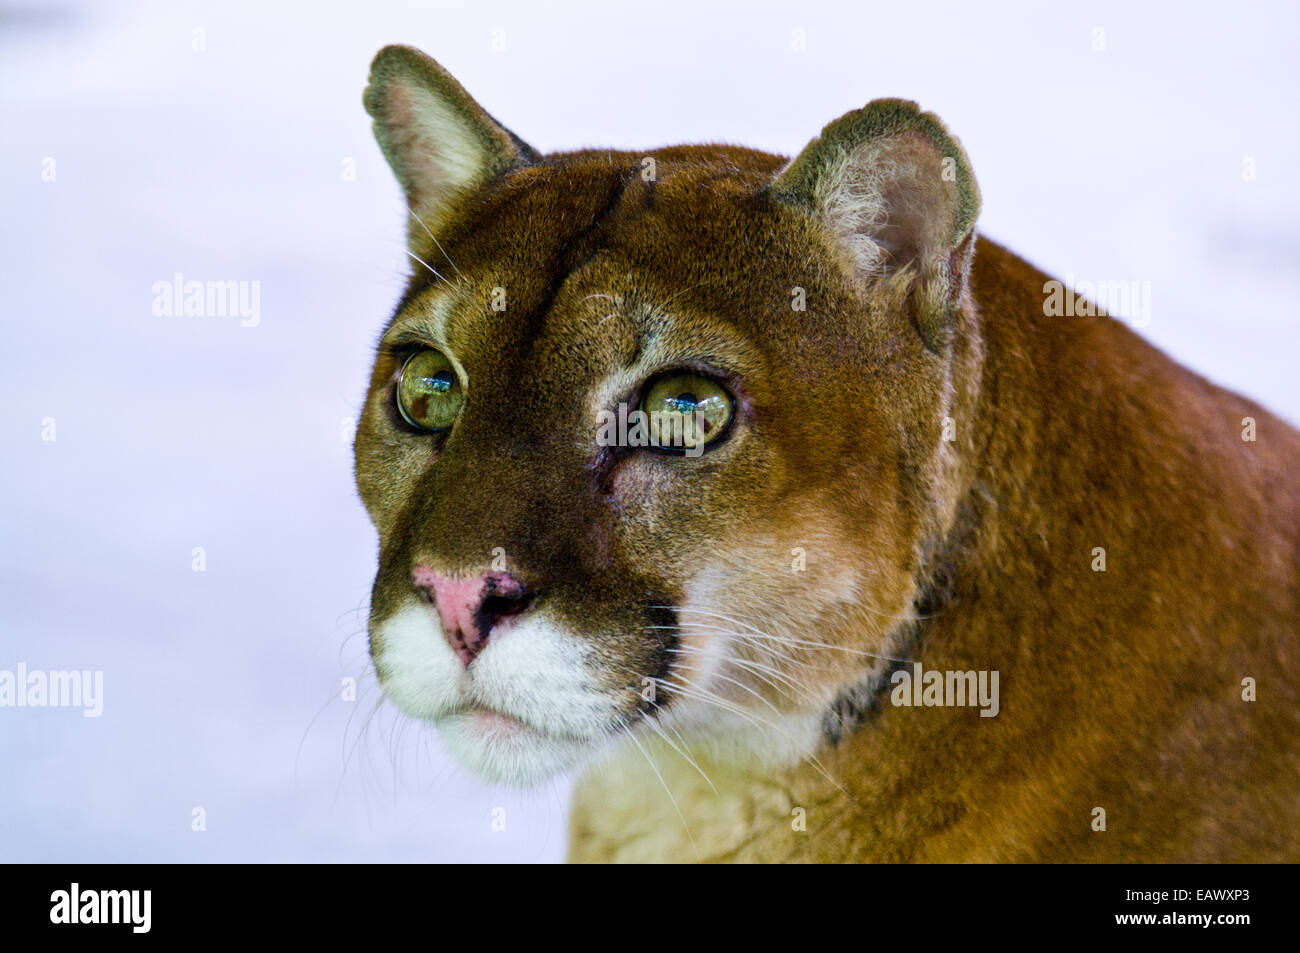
(896, 190)
(441, 144)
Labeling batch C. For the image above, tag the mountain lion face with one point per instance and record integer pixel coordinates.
(654, 441)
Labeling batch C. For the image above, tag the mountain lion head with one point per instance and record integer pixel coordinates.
(562, 567)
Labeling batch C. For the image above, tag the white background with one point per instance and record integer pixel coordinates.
(221, 687)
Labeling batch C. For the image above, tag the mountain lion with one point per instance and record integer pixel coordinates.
(933, 573)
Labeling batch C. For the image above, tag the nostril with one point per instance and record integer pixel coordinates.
(470, 608)
(498, 606)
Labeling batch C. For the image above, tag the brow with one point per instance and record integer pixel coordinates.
(421, 318)
(671, 338)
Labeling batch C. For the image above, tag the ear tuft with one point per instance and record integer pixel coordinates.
(440, 143)
(896, 191)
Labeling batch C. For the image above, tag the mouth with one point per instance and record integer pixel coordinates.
(486, 721)
(488, 724)
(505, 748)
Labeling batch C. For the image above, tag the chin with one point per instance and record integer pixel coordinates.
(524, 712)
(505, 750)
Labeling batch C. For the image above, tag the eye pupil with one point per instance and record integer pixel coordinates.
(687, 409)
(428, 391)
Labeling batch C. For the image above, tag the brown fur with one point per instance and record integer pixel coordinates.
(1119, 689)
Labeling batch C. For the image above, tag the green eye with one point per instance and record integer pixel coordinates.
(428, 391)
(687, 411)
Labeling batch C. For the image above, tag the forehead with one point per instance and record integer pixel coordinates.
(606, 259)
(599, 260)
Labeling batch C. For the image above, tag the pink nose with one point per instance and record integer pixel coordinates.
(472, 609)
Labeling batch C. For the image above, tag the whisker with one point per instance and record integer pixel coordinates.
(766, 674)
(431, 268)
(297, 758)
(748, 689)
(652, 722)
(655, 768)
(769, 650)
(436, 242)
(710, 698)
(787, 640)
(706, 627)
